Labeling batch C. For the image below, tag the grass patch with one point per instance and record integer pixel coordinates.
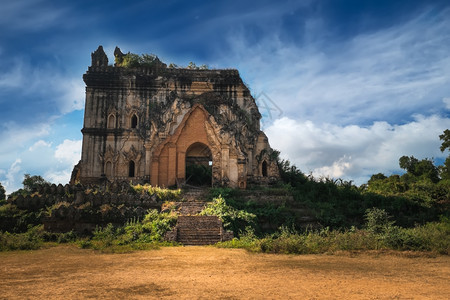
(30, 240)
(161, 193)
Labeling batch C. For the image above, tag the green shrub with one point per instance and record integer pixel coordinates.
(378, 220)
(60, 238)
(157, 224)
(433, 237)
(30, 240)
(247, 240)
(232, 218)
(162, 194)
(15, 220)
(146, 234)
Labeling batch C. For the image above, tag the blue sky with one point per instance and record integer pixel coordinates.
(345, 87)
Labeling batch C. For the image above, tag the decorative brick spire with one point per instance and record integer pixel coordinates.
(99, 58)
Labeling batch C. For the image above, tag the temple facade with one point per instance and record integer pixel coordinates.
(171, 127)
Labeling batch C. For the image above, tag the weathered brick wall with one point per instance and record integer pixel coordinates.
(171, 110)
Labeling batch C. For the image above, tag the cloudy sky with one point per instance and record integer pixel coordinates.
(345, 87)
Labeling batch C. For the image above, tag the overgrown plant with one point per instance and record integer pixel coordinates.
(232, 218)
(433, 237)
(378, 220)
(146, 234)
(162, 193)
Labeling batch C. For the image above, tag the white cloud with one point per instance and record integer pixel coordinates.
(46, 82)
(355, 152)
(30, 15)
(384, 75)
(10, 182)
(54, 163)
(350, 107)
(336, 170)
(447, 102)
(38, 144)
(69, 152)
(15, 137)
(57, 177)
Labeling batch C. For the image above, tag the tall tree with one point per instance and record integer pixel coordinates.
(2, 192)
(31, 183)
(445, 138)
(445, 169)
(424, 168)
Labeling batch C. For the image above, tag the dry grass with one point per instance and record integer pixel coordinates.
(66, 272)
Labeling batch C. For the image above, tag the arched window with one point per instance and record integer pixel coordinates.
(112, 121)
(131, 169)
(134, 121)
(108, 169)
(264, 169)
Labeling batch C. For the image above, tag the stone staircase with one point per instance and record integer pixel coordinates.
(199, 230)
(190, 208)
(195, 195)
(192, 229)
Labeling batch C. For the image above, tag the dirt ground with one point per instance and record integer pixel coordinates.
(66, 272)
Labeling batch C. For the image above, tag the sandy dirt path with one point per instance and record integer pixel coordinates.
(66, 272)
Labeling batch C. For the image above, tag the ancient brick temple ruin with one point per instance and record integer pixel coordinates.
(171, 126)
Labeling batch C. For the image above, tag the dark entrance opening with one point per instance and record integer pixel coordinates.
(198, 165)
(131, 169)
(264, 169)
(134, 121)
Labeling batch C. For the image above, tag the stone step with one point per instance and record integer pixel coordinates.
(199, 243)
(199, 230)
(199, 221)
(194, 195)
(190, 208)
(192, 238)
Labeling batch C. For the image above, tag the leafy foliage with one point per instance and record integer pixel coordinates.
(445, 138)
(378, 220)
(422, 169)
(434, 237)
(2, 194)
(31, 183)
(134, 235)
(232, 218)
(340, 204)
(15, 220)
(131, 60)
(162, 193)
(193, 66)
(290, 174)
(444, 170)
(29, 240)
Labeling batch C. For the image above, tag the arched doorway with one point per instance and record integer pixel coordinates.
(264, 169)
(131, 168)
(198, 165)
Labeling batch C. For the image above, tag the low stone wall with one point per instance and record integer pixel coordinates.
(82, 208)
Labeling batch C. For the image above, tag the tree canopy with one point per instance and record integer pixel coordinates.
(31, 183)
(445, 138)
(2, 192)
(424, 168)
